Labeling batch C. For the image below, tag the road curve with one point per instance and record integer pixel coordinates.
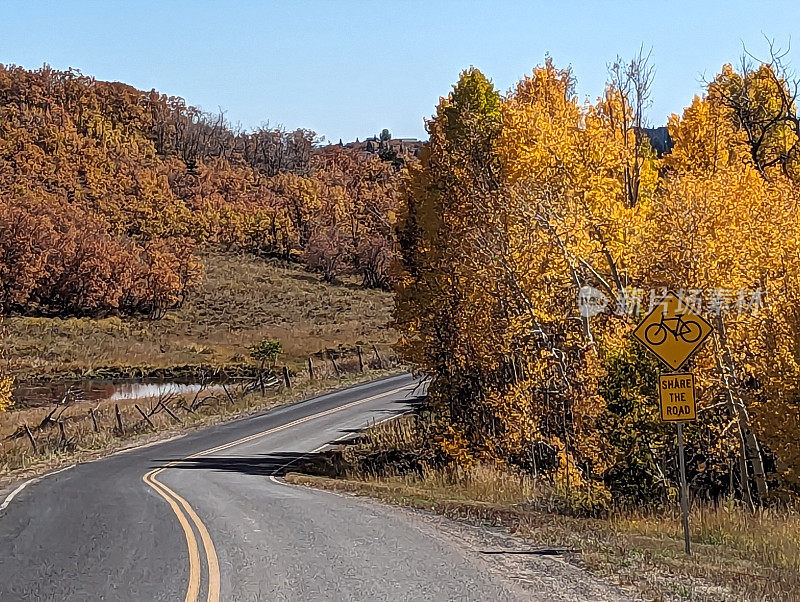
(203, 517)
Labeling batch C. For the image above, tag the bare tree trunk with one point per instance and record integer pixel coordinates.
(31, 439)
(751, 450)
(360, 359)
(744, 472)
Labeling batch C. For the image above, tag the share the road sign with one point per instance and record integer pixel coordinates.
(673, 331)
(676, 392)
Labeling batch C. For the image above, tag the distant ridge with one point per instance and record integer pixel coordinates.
(396, 150)
(660, 139)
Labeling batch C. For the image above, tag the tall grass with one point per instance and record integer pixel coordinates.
(770, 536)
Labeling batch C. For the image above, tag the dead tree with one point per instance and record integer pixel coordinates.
(762, 100)
(627, 98)
(749, 445)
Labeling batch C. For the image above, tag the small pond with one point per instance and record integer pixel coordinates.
(32, 395)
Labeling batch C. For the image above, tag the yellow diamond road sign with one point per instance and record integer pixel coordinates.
(673, 331)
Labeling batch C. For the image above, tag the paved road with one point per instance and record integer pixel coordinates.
(203, 517)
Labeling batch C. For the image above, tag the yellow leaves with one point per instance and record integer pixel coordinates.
(725, 229)
(455, 445)
(493, 259)
(6, 390)
(541, 125)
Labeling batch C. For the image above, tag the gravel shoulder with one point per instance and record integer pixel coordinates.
(528, 571)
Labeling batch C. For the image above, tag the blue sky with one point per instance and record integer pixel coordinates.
(348, 69)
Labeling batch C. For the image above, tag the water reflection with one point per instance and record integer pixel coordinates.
(143, 390)
(104, 390)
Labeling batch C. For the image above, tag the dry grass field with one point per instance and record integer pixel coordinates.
(242, 300)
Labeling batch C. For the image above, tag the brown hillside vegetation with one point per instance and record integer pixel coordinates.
(106, 191)
(112, 198)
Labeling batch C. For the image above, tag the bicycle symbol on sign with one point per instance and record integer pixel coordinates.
(687, 331)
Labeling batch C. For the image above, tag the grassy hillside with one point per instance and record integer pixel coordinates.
(242, 300)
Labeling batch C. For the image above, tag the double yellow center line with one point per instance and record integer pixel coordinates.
(181, 508)
(187, 516)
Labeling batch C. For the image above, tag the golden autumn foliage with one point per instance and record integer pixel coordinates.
(6, 388)
(521, 202)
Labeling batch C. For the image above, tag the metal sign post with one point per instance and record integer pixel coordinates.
(684, 491)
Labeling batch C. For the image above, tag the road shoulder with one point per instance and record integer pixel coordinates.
(536, 572)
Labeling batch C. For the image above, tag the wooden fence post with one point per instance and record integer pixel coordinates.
(150, 422)
(94, 420)
(335, 367)
(120, 428)
(377, 356)
(310, 369)
(287, 381)
(32, 440)
(360, 359)
(170, 412)
(228, 393)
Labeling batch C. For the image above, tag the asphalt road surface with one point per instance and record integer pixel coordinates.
(207, 517)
